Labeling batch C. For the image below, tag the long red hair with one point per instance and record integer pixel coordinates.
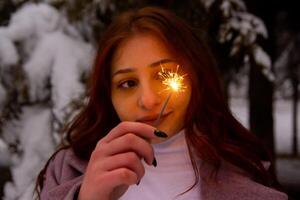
(212, 133)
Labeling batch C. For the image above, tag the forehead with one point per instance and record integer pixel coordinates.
(140, 50)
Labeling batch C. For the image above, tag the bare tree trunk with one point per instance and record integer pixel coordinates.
(261, 107)
(295, 116)
(5, 176)
(260, 88)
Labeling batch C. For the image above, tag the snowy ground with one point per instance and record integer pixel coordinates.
(287, 168)
(282, 122)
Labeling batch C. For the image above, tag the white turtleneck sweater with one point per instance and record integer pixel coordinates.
(173, 175)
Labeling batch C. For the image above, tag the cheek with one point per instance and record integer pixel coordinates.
(182, 102)
(121, 111)
(123, 106)
(184, 97)
(117, 104)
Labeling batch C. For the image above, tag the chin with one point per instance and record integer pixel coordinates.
(170, 131)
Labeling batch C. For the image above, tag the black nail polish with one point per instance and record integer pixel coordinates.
(154, 162)
(159, 133)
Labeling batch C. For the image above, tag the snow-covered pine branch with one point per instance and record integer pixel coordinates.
(242, 29)
(53, 59)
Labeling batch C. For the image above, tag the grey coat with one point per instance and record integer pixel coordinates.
(65, 174)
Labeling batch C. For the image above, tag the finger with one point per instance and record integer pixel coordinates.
(129, 142)
(120, 176)
(129, 160)
(143, 130)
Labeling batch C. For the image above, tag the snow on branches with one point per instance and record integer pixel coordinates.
(41, 51)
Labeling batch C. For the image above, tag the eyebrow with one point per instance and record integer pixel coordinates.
(160, 62)
(155, 64)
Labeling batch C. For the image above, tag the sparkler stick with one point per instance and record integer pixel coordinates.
(174, 82)
(162, 110)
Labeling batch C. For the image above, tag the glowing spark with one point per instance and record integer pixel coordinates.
(172, 80)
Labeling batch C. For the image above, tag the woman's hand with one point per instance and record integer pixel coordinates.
(115, 163)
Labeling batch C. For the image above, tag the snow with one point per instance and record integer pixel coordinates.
(288, 172)
(54, 58)
(34, 20)
(227, 6)
(207, 3)
(287, 169)
(8, 52)
(247, 25)
(283, 126)
(239, 110)
(34, 132)
(264, 60)
(104, 5)
(242, 29)
(62, 60)
(31, 22)
(282, 122)
(4, 154)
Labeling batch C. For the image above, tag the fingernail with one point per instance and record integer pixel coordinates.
(154, 162)
(159, 133)
(138, 182)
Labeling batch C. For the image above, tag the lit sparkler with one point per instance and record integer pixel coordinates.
(174, 83)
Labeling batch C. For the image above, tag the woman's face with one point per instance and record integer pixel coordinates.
(137, 91)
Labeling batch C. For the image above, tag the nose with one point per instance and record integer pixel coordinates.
(149, 98)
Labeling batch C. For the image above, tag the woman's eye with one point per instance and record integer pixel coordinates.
(127, 84)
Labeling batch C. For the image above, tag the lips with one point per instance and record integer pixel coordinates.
(151, 119)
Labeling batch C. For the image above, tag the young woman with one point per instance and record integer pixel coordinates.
(117, 149)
